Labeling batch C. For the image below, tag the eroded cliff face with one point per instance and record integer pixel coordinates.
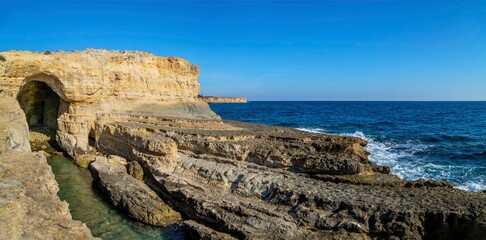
(29, 206)
(95, 81)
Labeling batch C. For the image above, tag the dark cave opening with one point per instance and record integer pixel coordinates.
(40, 105)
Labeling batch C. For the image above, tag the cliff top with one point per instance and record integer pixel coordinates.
(90, 75)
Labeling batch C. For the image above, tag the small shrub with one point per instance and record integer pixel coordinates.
(2, 58)
(47, 52)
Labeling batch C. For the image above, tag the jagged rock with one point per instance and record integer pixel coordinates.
(427, 183)
(14, 133)
(196, 230)
(248, 199)
(29, 206)
(118, 159)
(131, 195)
(84, 160)
(135, 170)
(264, 145)
(46, 154)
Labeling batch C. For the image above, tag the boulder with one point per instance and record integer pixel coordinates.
(131, 195)
(135, 170)
(84, 160)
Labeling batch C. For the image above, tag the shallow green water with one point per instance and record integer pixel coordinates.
(88, 205)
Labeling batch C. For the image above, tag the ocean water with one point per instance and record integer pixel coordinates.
(431, 140)
(88, 204)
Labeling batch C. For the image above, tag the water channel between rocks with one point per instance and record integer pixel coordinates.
(88, 204)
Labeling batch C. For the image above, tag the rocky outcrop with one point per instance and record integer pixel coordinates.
(196, 230)
(95, 81)
(211, 99)
(268, 146)
(29, 206)
(14, 133)
(250, 181)
(131, 195)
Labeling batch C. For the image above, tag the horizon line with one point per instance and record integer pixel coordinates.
(366, 100)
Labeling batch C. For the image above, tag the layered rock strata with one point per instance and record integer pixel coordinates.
(29, 206)
(208, 176)
(85, 83)
(131, 195)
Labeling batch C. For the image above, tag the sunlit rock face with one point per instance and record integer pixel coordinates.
(29, 206)
(67, 90)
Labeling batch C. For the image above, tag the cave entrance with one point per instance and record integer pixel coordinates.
(40, 105)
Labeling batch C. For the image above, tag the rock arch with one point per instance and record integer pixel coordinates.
(40, 104)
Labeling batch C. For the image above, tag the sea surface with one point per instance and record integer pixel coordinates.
(88, 204)
(431, 140)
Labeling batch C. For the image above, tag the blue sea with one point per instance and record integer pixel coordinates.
(431, 140)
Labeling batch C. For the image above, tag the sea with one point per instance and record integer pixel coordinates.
(430, 140)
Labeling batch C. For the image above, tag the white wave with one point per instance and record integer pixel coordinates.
(472, 186)
(312, 130)
(400, 157)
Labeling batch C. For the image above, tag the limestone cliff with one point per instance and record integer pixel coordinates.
(29, 206)
(96, 81)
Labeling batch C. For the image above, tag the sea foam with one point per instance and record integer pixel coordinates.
(402, 158)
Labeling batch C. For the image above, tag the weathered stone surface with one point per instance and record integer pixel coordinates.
(135, 170)
(14, 133)
(29, 206)
(196, 230)
(92, 82)
(84, 160)
(90, 75)
(198, 171)
(131, 195)
(264, 145)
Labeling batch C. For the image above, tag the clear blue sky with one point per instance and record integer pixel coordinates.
(280, 50)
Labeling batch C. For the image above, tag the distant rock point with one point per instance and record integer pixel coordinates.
(213, 99)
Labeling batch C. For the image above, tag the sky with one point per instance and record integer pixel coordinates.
(279, 50)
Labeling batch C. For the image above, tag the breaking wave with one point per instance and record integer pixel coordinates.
(406, 159)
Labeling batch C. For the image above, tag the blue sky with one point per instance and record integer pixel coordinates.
(280, 50)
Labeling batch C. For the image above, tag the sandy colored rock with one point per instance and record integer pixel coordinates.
(29, 206)
(130, 194)
(14, 134)
(91, 82)
(84, 160)
(135, 170)
(196, 230)
(249, 181)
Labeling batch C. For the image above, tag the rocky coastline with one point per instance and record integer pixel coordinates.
(212, 99)
(29, 206)
(161, 155)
